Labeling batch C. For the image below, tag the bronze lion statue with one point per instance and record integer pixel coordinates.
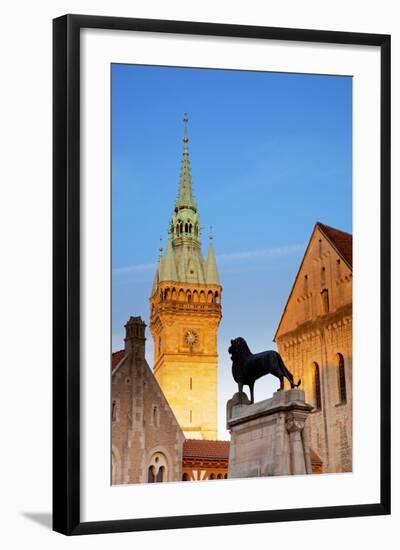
(248, 367)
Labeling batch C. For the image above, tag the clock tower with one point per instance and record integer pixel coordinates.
(185, 312)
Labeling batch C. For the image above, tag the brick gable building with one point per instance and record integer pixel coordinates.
(314, 337)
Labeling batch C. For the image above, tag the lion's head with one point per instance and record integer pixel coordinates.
(238, 347)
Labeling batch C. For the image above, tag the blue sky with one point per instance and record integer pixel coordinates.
(271, 154)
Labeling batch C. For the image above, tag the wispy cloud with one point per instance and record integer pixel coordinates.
(272, 252)
(136, 268)
(245, 255)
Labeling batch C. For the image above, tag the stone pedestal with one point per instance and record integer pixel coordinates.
(269, 438)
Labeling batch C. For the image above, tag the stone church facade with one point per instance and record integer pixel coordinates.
(147, 441)
(314, 337)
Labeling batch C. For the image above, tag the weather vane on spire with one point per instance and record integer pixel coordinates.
(185, 126)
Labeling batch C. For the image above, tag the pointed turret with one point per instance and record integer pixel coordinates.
(212, 277)
(158, 269)
(168, 265)
(185, 197)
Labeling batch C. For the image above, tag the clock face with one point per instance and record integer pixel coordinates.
(191, 337)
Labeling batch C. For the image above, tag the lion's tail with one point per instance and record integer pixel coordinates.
(286, 372)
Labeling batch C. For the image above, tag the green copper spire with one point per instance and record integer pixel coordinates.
(185, 197)
(183, 261)
(212, 277)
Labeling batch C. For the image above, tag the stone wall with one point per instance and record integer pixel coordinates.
(271, 437)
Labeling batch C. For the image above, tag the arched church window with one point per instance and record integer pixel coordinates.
(181, 295)
(189, 296)
(181, 227)
(202, 296)
(185, 477)
(160, 474)
(114, 410)
(210, 297)
(151, 475)
(177, 229)
(323, 273)
(212, 476)
(158, 468)
(186, 228)
(325, 300)
(317, 385)
(219, 476)
(226, 476)
(190, 228)
(341, 378)
(195, 296)
(216, 297)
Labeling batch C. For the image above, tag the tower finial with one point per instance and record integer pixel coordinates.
(211, 235)
(161, 248)
(185, 127)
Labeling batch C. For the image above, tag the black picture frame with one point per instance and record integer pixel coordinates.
(66, 273)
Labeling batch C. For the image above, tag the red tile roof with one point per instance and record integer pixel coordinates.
(205, 448)
(116, 358)
(343, 242)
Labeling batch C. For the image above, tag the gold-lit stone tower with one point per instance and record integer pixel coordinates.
(185, 312)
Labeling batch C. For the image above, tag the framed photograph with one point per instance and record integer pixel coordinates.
(221, 274)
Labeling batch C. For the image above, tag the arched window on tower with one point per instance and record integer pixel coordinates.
(341, 377)
(190, 228)
(316, 385)
(186, 228)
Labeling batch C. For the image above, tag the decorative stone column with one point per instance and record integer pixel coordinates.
(295, 423)
(269, 438)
